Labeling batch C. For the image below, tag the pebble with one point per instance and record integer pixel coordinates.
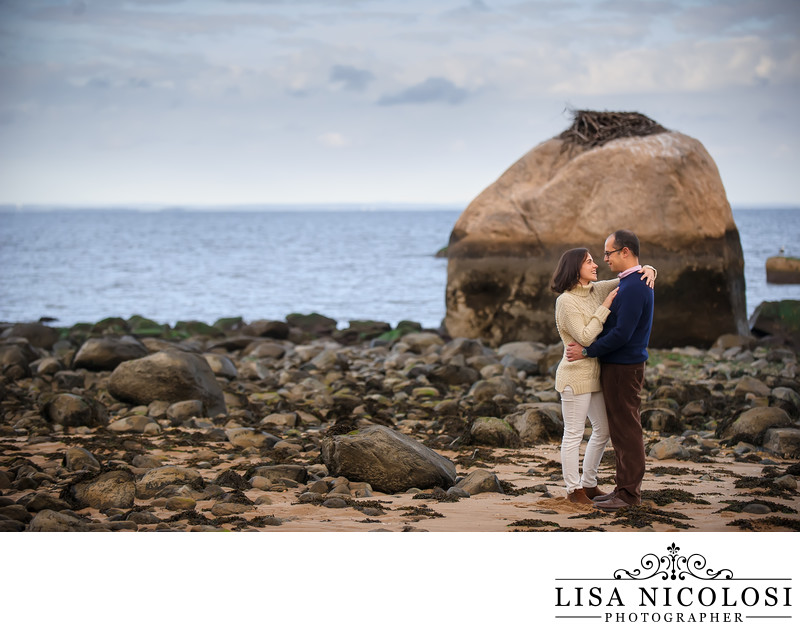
(786, 482)
(179, 504)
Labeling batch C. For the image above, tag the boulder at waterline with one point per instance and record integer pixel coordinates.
(783, 270)
(38, 335)
(563, 194)
(171, 376)
(106, 353)
(389, 461)
(780, 319)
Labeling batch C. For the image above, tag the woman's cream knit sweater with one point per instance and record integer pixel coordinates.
(580, 316)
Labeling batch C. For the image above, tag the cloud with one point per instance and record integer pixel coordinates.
(334, 139)
(351, 78)
(432, 90)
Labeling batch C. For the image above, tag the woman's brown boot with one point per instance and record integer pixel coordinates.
(579, 496)
(593, 492)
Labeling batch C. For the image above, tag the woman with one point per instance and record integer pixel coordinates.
(581, 310)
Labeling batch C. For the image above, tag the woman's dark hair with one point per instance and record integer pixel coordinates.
(569, 267)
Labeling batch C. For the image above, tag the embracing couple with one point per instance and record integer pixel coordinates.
(605, 327)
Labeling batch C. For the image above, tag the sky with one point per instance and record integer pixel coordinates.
(171, 102)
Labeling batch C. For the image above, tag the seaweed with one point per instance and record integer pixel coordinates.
(532, 522)
(639, 516)
(663, 497)
(766, 524)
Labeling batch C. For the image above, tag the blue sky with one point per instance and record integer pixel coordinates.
(369, 101)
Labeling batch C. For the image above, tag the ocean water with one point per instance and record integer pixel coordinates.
(83, 266)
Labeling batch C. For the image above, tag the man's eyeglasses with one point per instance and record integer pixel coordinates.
(608, 254)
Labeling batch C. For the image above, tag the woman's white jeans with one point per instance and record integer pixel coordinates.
(575, 408)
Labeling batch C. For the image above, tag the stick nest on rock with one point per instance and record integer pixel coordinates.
(593, 129)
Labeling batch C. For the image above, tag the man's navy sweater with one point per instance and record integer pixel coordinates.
(626, 332)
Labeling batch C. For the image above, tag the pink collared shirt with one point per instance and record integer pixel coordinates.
(628, 272)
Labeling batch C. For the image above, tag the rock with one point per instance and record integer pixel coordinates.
(756, 508)
(334, 502)
(185, 410)
(115, 489)
(487, 389)
(669, 449)
(267, 350)
(159, 478)
(781, 319)
(478, 481)
(538, 423)
(783, 441)
(389, 461)
(179, 504)
(463, 347)
(49, 366)
(751, 424)
(282, 471)
(268, 328)
(50, 521)
(106, 353)
(16, 512)
(494, 432)
(135, 424)
(361, 330)
(453, 375)
(785, 482)
(421, 342)
(783, 270)
(245, 437)
(662, 420)
(78, 458)
(38, 501)
(288, 420)
(148, 461)
(221, 365)
(231, 479)
(728, 341)
(5, 480)
(168, 375)
(314, 323)
(37, 334)
(71, 410)
(14, 362)
(503, 248)
(230, 509)
(788, 400)
(750, 385)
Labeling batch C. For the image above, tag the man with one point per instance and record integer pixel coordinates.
(622, 351)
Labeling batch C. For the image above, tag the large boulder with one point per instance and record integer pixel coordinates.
(170, 376)
(780, 319)
(563, 194)
(783, 270)
(72, 410)
(106, 353)
(389, 461)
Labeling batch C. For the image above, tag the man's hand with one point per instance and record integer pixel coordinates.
(574, 352)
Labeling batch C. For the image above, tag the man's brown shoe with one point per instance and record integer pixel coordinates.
(593, 492)
(579, 496)
(605, 497)
(612, 505)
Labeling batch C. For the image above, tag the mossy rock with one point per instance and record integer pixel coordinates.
(111, 326)
(193, 327)
(226, 324)
(143, 327)
(777, 318)
(403, 328)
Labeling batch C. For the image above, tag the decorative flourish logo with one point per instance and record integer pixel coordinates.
(673, 567)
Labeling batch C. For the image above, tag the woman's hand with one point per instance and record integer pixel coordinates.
(610, 298)
(649, 275)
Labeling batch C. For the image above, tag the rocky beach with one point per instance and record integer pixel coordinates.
(297, 425)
